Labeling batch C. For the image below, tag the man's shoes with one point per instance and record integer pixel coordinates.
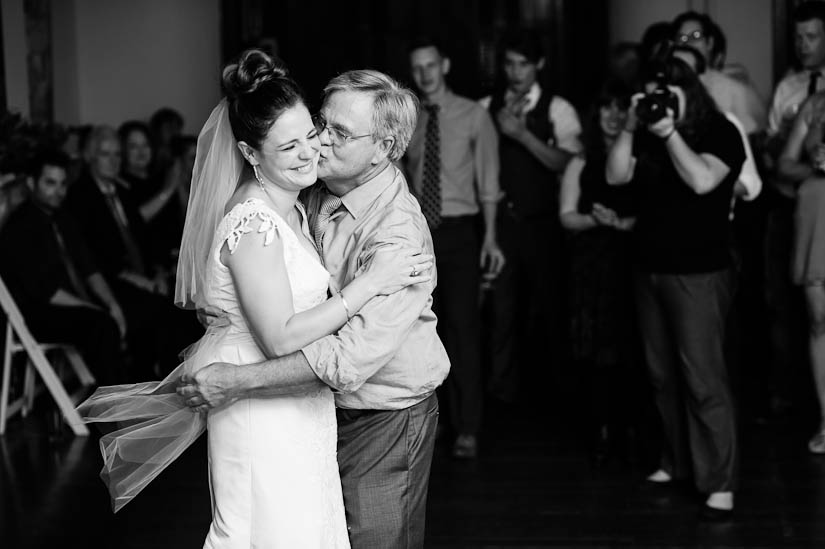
(718, 507)
(817, 444)
(465, 447)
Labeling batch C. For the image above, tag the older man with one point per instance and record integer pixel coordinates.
(388, 360)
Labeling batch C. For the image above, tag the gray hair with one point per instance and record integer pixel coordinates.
(395, 107)
(98, 135)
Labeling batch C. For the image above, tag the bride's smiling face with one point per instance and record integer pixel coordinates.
(288, 157)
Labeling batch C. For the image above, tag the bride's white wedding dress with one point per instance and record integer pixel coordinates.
(272, 461)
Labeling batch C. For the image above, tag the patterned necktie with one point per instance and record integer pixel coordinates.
(329, 204)
(431, 187)
(119, 213)
(71, 270)
(815, 75)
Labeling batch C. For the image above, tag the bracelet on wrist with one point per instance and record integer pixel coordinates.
(668, 136)
(344, 303)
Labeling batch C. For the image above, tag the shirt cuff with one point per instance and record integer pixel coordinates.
(329, 367)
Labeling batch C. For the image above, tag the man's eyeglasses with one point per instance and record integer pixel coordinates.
(694, 36)
(338, 137)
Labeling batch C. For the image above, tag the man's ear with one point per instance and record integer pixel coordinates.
(445, 66)
(384, 148)
(30, 182)
(247, 152)
(540, 64)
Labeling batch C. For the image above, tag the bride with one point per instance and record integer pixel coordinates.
(246, 250)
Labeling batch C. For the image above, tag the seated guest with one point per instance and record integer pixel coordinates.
(164, 126)
(51, 274)
(598, 218)
(178, 179)
(116, 233)
(156, 196)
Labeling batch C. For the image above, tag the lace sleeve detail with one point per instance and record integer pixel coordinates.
(242, 221)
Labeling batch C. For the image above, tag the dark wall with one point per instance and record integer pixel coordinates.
(319, 39)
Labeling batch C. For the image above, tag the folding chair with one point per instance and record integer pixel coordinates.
(18, 339)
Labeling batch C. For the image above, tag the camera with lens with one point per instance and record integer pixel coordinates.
(653, 106)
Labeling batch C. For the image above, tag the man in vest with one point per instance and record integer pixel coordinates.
(539, 132)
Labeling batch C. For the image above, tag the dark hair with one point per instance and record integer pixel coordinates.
(617, 50)
(699, 106)
(811, 9)
(129, 127)
(163, 116)
(132, 126)
(426, 41)
(258, 91)
(612, 91)
(701, 62)
(182, 142)
(720, 45)
(48, 157)
(656, 41)
(704, 21)
(524, 42)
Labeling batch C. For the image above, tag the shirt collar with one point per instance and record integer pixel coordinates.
(444, 100)
(531, 98)
(359, 198)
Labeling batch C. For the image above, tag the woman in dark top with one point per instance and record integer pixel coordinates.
(598, 218)
(685, 165)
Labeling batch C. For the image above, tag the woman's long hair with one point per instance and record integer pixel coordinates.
(699, 105)
(612, 91)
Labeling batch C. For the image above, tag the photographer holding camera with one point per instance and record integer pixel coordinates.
(684, 156)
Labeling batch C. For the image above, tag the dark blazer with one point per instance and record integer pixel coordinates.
(31, 262)
(89, 207)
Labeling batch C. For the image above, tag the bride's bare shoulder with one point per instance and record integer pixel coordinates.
(244, 192)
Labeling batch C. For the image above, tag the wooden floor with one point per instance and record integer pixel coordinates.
(533, 486)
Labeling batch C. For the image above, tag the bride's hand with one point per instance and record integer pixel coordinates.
(392, 269)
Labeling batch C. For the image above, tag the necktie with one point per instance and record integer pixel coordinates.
(812, 82)
(431, 185)
(71, 270)
(329, 204)
(132, 251)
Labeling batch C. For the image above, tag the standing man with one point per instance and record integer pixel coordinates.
(539, 132)
(452, 161)
(796, 87)
(387, 361)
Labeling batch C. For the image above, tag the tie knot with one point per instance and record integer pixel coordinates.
(329, 204)
(432, 109)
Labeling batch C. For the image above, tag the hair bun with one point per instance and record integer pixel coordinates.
(254, 67)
